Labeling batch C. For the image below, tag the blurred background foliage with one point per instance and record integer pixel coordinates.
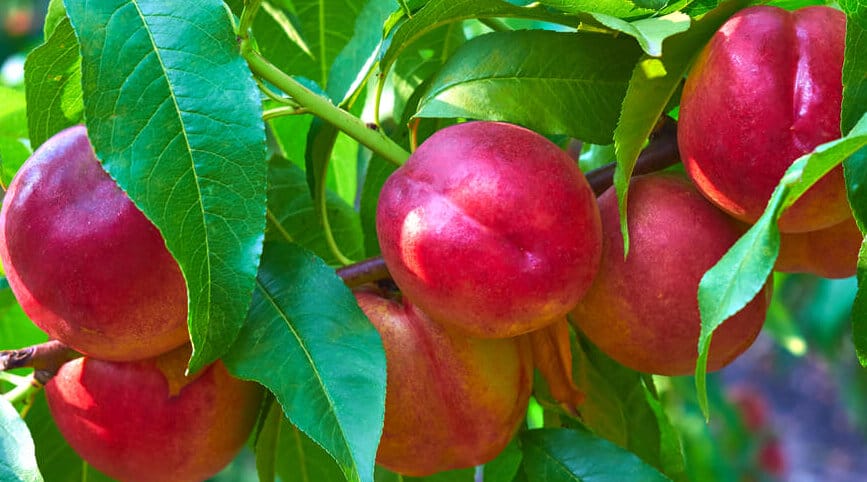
(791, 408)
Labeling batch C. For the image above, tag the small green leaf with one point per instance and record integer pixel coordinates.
(175, 118)
(614, 8)
(52, 76)
(13, 113)
(307, 340)
(742, 272)
(649, 32)
(55, 14)
(653, 83)
(13, 152)
(266, 444)
(555, 455)
(854, 81)
(441, 12)
(509, 76)
(320, 145)
(284, 450)
(505, 467)
(17, 452)
(420, 63)
(292, 216)
(351, 66)
(620, 408)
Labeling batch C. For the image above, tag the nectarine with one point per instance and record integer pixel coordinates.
(764, 91)
(86, 265)
(643, 311)
(491, 228)
(145, 421)
(452, 401)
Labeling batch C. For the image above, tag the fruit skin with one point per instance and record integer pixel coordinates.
(452, 401)
(145, 421)
(829, 253)
(86, 265)
(764, 91)
(643, 311)
(491, 228)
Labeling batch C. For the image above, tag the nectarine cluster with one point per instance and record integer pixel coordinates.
(94, 273)
(490, 231)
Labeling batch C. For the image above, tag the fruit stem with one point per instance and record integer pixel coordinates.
(363, 272)
(321, 107)
(21, 390)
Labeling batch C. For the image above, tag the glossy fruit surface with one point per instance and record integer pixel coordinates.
(146, 422)
(452, 401)
(829, 253)
(643, 311)
(86, 265)
(764, 91)
(491, 228)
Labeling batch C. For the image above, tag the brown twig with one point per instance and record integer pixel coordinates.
(363, 272)
(45, 358)
(661, 152)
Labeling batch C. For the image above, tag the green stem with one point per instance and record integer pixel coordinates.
(321, 107)
(251, 7)
(21, 390)
(14, 379)
(283, 111)
(326, 225)
(495, 24)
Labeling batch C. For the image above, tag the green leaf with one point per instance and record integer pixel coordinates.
(175, 117)
(649, 32)
(307, 340)
(652, 85)
(437, 13)
(266, 444)
(351, 66)
(509, 76)
(614, 8)
(17, 453)
(332, 42)
(554, 455)
(292, 216)
(854, 81)
(16, 329)
(52, 76)
(320, 145)
(13, 152)
(13, 113)
(742, 272)
(57, 461)
(418, 64)
(377, 173)
(53, 16)
(856, 11)
(289, 453)
(505, 467)
(620, 408)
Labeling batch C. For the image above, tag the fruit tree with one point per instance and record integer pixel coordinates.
(428, 240)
